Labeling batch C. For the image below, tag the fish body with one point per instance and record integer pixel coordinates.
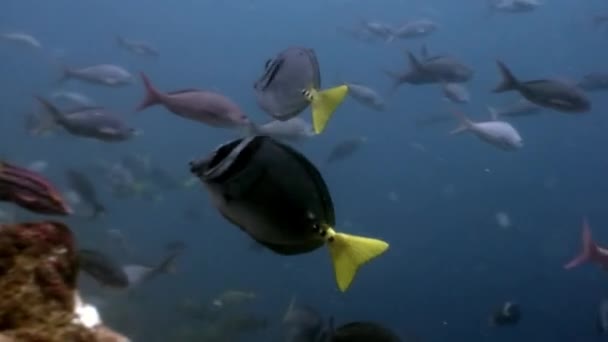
(73, 98)
(436, 69)
(102, 74)
(102, 268)
(522, 107)
(21, 38)
(291, 83)
(594, 81)
(345, 149)
(91, 122)
(416, 29)
(514, 6)
(455, 92)
(137, 47)
(275, 195)
(303, 323)
(554, 94)
(211, 108)
(366, 96)
(360, 332)
(498, 133)
(85, 189)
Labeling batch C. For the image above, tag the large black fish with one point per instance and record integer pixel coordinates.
(291, 82)
(360, 332)
(428, 70)
(554, 94)
(91, 122)
(83, 186)
(272, 192)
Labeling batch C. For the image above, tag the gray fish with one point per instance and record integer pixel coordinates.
(291, 82)
(522, 107)
(432, 70)
(455, 92)
(498, 133)
(137, 47)
(278, 197)
(94, 122)
(555, 94)
(360, 332)
(594, 81)
(294, 129)
(302, 323)
(21, 38)
(208, 107)
(102, 268)
(366, 96)
(85, 189)
(138, 274)
(514, 6)
(102, 74)
(345, 149)
(72, 98)
(415, 29)
(377, 29)
(602, 317)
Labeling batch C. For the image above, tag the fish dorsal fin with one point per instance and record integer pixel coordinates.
(414, 62)
(182, 91)
(290, 308)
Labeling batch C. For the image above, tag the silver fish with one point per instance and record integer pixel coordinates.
(136, 47)
(455, 92)
(498, 133)
(415, 29)
(21, 38)
(102, 74)
(366, 96)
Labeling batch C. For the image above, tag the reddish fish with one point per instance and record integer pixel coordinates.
(208, 107)
(591, 252)
(30, 191)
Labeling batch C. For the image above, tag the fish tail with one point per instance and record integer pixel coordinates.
(324, 104)
(395, 78)
(588, 249)
(508, 82)
(465, 123)
(55, 113)
(349, 253)
(152, 95)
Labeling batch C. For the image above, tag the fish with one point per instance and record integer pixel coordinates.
(31, 191)
(497, 133)
(294, 129)
(602, 317)
(208, 107)
(136, 47)
(278, 197)
(590, 251)
(362, 331)
(102, 268)
(514, 6)
(302, 322)
(522, 107)
(554, 94)
(138, 274)
(291, 83)
(366, 96)
(455, 92)
(594, 81)
(91, 122)
(415, 29)
(507, 315)
(345, 149)
(377, 29)
(21, 38)
(430, 70)
(101, 74)
(82, 185)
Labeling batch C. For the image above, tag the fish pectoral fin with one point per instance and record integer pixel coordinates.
(324, 104)
(350, 252)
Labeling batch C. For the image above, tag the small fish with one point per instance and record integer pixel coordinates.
(294, 129)
(82, 185)
(508, 314)
(31, 191)
(359, 332)
(415, 29)
(455, 93)
(514, 6)
(21, 38)
(94, 122)
(72, 98)
(555, 94)
(278, 197)
(366, 96)
(594, 81)
(137, 47)
(432, 70)
(208, 107)
(590, 251)
(291, 83)
(345, 149)
(102, 74)
(377, 29)
(498, 133)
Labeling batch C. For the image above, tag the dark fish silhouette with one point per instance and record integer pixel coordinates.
(80, 183)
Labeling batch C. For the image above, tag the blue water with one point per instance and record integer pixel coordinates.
(449, 265)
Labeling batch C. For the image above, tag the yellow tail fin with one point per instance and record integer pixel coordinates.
(324, 104)
(349, 253)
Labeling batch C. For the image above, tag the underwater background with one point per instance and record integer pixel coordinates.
(434, 197)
